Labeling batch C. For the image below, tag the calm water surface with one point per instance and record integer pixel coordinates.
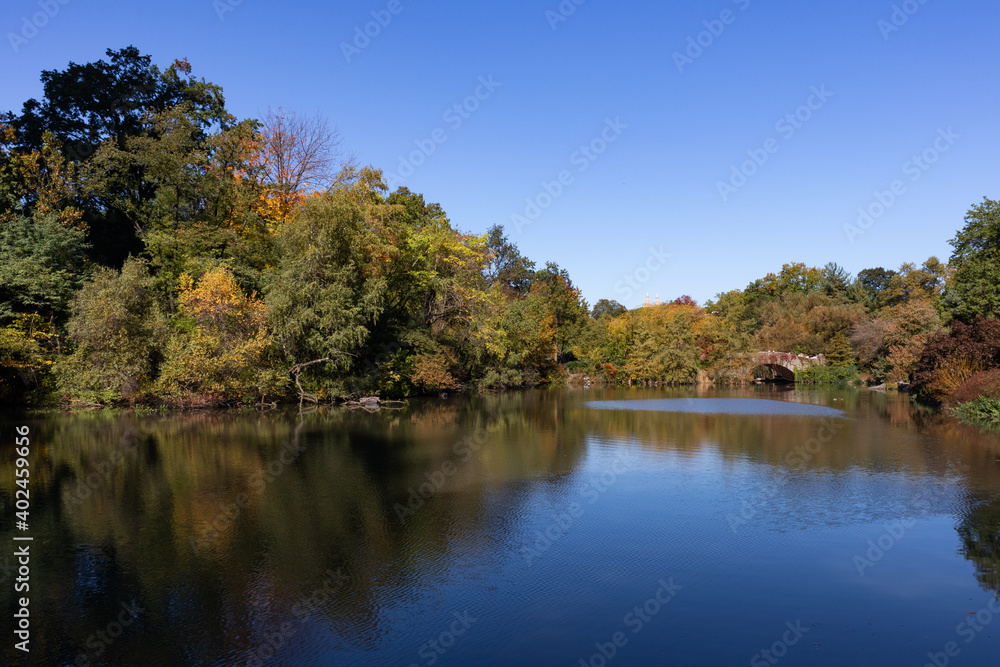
(595, 527)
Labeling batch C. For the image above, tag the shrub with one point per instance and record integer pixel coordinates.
(950, 359)
(503, 378)
(949, 376)
(985, 384)
(433, 371)
(826, 375)
(983, 409)
(25, 358)
(611, 373)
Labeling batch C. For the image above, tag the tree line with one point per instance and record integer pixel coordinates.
(154, 248)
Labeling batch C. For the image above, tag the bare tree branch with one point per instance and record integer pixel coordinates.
(301, 153)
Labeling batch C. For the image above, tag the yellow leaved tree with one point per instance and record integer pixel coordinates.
(219, 351)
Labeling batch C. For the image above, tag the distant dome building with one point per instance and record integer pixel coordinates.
(647, 304)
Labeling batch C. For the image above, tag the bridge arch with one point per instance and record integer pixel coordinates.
(777, 372)
(782, 365)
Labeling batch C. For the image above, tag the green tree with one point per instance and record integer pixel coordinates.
(185, 222)
(109, 101)
(838, 351)
(504, 265)
(118, 330)
(85, 105)
(738, 309)
(329, 288)
(976, 261)
(607, 308)
(42, 265)
(835, 280)
(794, 277)
(875, 283)
(530, 344)
(911, 283)
(565, 305)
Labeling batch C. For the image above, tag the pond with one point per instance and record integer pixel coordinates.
(584, 527)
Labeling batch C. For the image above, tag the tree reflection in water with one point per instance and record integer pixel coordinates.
(980, 534)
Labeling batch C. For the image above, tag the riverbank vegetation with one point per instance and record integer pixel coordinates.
(156, 249)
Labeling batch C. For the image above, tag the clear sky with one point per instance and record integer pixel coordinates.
(664, 119)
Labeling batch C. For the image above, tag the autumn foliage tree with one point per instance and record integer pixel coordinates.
(155, 248)
(297, 155)
(219, 347)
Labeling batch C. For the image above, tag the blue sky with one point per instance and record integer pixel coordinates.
(644, 201)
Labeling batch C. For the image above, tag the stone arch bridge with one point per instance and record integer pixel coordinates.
(784, 364)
